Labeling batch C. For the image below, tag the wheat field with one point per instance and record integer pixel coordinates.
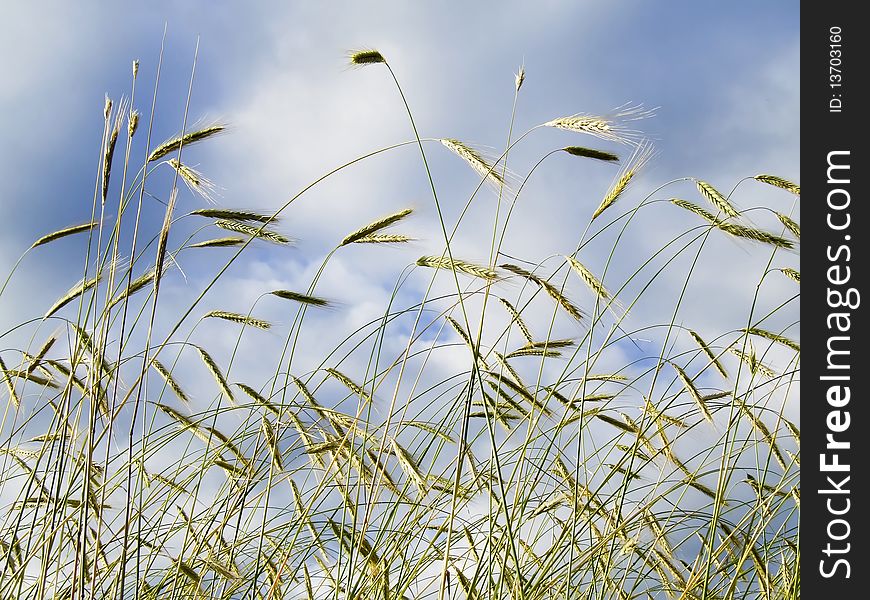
(508, 427)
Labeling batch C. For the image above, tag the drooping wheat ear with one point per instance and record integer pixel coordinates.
(610, 127)
(409, 465)
(474, 159)
(624, 425)
(301, 298)
(518, 388)
(10, 386)
(461, 332)
(76, 291)
(365, 57)
(758, 424)
(791, 274)
(591, 153)
(693, 392)
(502, 359)
(757, 235)
(716, 199)
(37, 358)
(774, 337)
(219, 378)
(170, 381)
(27, 376)
(520, 77)
(272, 442)
(265, 234)
(692, 207)
(606, 377)
(642, 154)
(735, 229)
(548, 287)
(234, 215)
(375, 226)
(185, 423)
(62, 233)
(259, 398)
(789, 224)
(133, 123)
(516, 318)
(533, 351)
(219, 243)
(237, 318)
(751, 360)
(349, 384)
(706, 349)
(196, 182)
(136, 285)
(187, 139)
(437, 262)
(793, 430)
(551, 344)
(384, 238)
(315, 405)
(589, 279)
(780, 183)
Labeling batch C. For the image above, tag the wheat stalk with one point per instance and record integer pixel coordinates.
(438, 262)
(610, 127)
(76, 291)
(791, 274)
(474, 159)
(272, 442)
(349, 384)
(215, 371)
(234, 214)
(706, 349)
(301, 298)
(66, 231)
(694, 393)
(642, 154)
(591, 153)
(735, 229)
(218, 243)
(520, 77)
(170, 380)
(549, 288)
(789, 224)
(257, 232)
(237, 318)
(375, 227)
(780, 183)
(516, 318)
(716, 199)
(195, 181)
(173, 144)
(775, 337)
(10, 386)
(365, 57)
(384, 238)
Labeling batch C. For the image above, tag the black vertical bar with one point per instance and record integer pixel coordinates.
(835, 467)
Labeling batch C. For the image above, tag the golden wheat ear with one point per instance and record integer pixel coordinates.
(779, 182)
(642, 155)
(612, 127)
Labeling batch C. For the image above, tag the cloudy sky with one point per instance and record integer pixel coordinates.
(724, 78)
